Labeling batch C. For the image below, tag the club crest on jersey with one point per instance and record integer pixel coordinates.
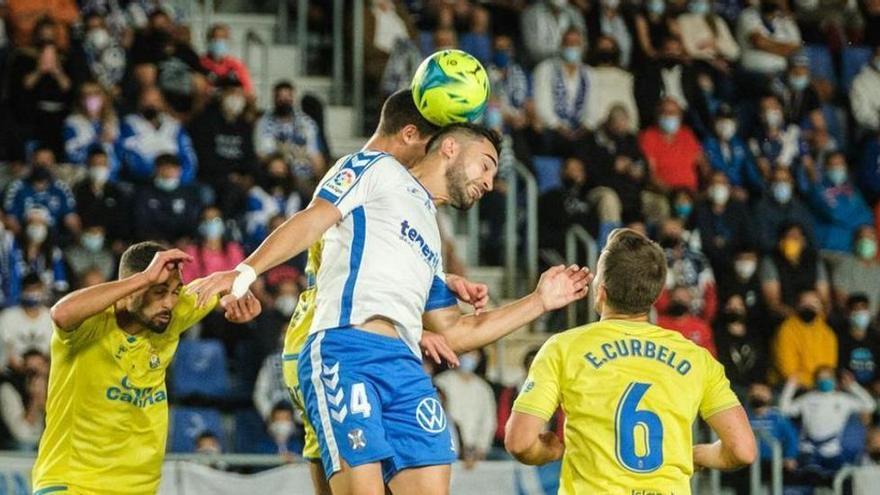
(430, 415)
(356, 439)
(154, 361)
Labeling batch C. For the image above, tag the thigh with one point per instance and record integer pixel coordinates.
(319, 479)
(365, 479)
(429, 480)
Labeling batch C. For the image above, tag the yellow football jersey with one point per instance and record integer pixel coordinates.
(107, 408)
(631, 393)
(295, 338)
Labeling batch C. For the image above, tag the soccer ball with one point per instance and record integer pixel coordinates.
(450, 86)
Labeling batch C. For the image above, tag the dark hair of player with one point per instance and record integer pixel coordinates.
(399, 111)
(634, 272)
(138, 256)
(473, 131)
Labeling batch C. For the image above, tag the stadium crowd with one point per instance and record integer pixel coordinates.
(743, 136)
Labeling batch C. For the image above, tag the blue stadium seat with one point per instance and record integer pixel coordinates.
(250, 433)
(426, 42)
(854, 58)
(821, 66)
(187, 423)
(199, 369)
(852, 439)
(547, 170)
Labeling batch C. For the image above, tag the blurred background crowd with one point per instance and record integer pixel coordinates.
(744, 136)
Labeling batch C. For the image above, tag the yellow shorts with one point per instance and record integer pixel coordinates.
(311, 450)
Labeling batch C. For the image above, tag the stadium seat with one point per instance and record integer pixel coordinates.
(821, 66)
(250, 433)
(199, 370)
(852, 439)
(854, 58)
(547, 170)
(187, 423)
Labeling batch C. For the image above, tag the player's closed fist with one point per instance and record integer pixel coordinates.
(241, 310)
(477, 295)
(552, 444)
(559, 286)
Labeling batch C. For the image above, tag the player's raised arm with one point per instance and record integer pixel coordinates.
(735, 447)
(78, 306)
(558, 287)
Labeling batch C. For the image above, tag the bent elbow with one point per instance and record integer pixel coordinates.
(58, 315)
(515, 444)
(745, 453)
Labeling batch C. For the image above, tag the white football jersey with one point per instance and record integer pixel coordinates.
(383, 259)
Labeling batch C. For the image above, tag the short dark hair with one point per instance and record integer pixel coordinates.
(95, 150)
(31, 280)
(167, 159)
(474, 131)
(138, 256)
(282, 84)
(857, 298)
(634, 271)
(214, 28)
(399, 111)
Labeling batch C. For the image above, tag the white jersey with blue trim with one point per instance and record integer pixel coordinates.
(383, 259)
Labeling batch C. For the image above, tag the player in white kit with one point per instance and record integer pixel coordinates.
(375, 410)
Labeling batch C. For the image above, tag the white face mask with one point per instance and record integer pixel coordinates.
(773, 118)
(280, 431)
(745, 268)
(726, 129)
(98, 38)
(37, 232)
(99, 175)
(719, 194)
(558, 3)
(234, 104)
(286, 304)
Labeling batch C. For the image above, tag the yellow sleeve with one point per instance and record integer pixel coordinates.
(717, 395)
(187, 314)
(89, 330)
(540, 395)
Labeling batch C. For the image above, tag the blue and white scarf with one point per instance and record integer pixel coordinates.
(570, 114)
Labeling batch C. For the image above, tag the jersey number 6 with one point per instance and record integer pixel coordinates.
(638, 434)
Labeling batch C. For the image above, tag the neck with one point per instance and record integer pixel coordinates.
(569, 67)
(386, 144)
(614, 315)
(432, 175)
(32, 312)
(127, 322)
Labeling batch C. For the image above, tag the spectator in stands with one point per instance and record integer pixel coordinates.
(869, 172)
(653, 25)
(677, 315)
(25, 17)
(609, 84)
(794, 267)
(565, 206)
(686, 268)
(11, 260)
(103, 201)
(769, 423)
(614, 161)
(547, 23)
(723, 223)
(282, 429)
(859, 272)
(683, 208)
(706, 37)
(674, 154)
(667, 77)
(777, 143)
(743, 281)
(777, 207)
(608, 21)
(292, 134)
(824, 413)
(150, 133)
(829, 22)
(42, 190)
(208, 443)
(269, 389)
(220, 64)
(819, 143)
(213, 252)
(26, 326)
(222, 136)
(90, 252)
(282, 186)
(872, 448)
(727, 152)
(41, 255)
(92, 124)
(23, 402)
(838, 207)
(511, 94)
(476, 39)
(864, 96)
(471, 404)
(101, 55)
(167, 209)
(386, 24)
(859, 348)
(41, 85)
(562, 93)
(805, 343)
(799, 98)
(741, 347)
(768, 35)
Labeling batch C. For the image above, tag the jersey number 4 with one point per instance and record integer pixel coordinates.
(638, 433)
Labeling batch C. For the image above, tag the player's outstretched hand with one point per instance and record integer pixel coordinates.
(435, 347)
(164, 264)
(560, 286)
(213, 284)
(552, 444)
(477, 295)
(241, 310)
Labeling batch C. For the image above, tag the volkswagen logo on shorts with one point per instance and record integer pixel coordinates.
(430, 415)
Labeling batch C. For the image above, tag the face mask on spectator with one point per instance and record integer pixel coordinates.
(719, 194)
(99, 175)
(677, 309)
(860, 319)
(836, 175)
(150, 112)
(92, 242)
(669, 123)
(31, 299)
(234, 104)
(494, 119)
(286, 304)
(281, 430)
(799, 83)
(572, 54)
(98, 38)
(773, 119)
(468, 363)
(866, 248)
(781, 192)
(656, 6)
(611, 4)
(218, 48)
(825, 384)
(283, 108)
(212, 229)
(807, 314)
(167, 183)
(683, 210)
(501, 59)
(208, 450)
(37, 232)
(699, 7)
(745, 268)
(791, 249)
(93, 104)
(725, 128)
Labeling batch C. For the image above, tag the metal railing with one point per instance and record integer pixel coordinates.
(253, 38)
(518, 172)
(775, 469)
(302, 32)
(577, 234)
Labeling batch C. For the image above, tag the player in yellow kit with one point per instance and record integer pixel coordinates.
(630, 391)
(107, 409)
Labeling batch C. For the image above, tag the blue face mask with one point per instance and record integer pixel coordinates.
(218, 48)
(683, 210)
(825, 385)
(501, 59)
(837, 175)
(572, 54)
(167, 184)
(781, 192)
(670, 124)
(699, 7)
(799, 83)
(494, 119)
(860, 319)
(656, 6)
(212, 229)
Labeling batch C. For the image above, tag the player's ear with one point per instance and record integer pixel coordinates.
(450, 147)
(410, 134)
